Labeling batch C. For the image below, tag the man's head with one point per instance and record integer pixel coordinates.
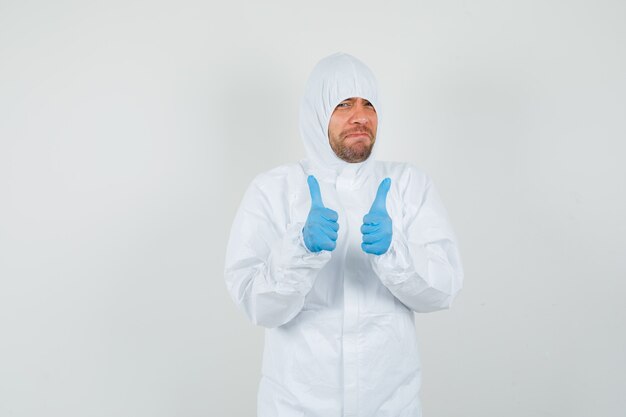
(352, 129)
(340, 114)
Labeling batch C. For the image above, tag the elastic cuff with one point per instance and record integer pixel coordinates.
(397, 265)
(292, 265)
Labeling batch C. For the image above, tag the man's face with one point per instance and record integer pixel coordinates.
(352, 129)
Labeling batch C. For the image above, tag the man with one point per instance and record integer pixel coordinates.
(333, 254)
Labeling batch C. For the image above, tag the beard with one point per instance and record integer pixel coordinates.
(353, 151)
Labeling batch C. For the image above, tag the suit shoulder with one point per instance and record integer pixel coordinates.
(278, 179)
(404, 170)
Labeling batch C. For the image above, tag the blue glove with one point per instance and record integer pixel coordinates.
(377, 224)
(320, 229)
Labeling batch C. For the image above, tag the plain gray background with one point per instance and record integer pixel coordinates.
(129, 131)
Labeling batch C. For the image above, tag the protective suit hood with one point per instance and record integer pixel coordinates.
(334, 79)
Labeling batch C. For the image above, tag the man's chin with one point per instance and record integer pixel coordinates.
(358, 153)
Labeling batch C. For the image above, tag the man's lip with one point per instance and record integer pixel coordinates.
(354, 135)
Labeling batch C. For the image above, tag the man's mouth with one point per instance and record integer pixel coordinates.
(356, 135)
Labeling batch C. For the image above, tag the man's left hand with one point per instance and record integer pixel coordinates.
(377, 226)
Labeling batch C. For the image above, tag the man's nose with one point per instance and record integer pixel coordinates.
(359, 115)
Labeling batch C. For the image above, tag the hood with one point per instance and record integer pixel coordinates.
(334, 79)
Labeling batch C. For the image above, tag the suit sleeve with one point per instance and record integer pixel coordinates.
(268, 269)
(422, 267)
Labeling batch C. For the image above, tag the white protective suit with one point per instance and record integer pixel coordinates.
(340, 337)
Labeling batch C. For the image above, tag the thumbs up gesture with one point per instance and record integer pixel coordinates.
(320, 229)
(376, 228)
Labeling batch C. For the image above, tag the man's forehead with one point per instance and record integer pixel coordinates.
(354, 99)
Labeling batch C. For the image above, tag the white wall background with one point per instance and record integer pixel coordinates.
(130, 129)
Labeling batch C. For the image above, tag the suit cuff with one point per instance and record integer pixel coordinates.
(293, 267)
(400, 264)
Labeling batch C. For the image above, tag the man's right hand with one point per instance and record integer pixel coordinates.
(320, 229)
